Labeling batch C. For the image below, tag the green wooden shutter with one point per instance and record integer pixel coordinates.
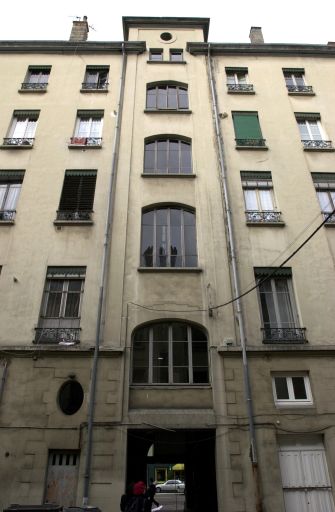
(77, 193)
(246, 125)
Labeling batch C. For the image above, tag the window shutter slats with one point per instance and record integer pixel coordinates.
(247, 126)
(77, 193)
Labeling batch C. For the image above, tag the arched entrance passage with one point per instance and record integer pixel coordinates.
(149, 449)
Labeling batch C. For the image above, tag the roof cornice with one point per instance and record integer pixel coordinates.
(71, 47)
(163, 22)
(317, 50)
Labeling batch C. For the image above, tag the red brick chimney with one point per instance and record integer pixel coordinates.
(79, 30)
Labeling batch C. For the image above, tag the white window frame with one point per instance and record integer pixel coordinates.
(97, 80)
(293, 77)
(257, 186)
(311, 136)
(65, 294)
(233, 77)
(28, 127)
(292, 401)
(89, 119)
(274, 292)
(9, 196)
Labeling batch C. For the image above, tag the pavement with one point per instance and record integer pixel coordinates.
(172, 502)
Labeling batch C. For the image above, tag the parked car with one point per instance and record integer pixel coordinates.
(171, 486)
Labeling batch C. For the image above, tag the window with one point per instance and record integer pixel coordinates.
(96, 79)
(277, 304)
(156, 55)
(167, 97)
(325, 190)
(22, 129)
(295, 81)
(70, 397)
(61, 304)
(10, 187)
(311, 132)
(176, 55)
(259, 198)
(168, 238)
(76, 202)
(247, 130)
(167, 156)
(170, 353)
(36, 79)
(237, 80)
(293, 389)
(88, 128)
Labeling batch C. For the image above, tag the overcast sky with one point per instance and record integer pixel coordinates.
(283, 21)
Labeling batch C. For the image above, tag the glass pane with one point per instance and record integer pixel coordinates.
(299, 79)
(176, 56)
(231, 78)
(199, 354)
(140, 375)
(84, 128)
(92, 77)
(147, 245)
(161, 246)
(160, 353)
(162, 156)
(140, 354)
(96, 128)
(54, 298)
(182, 98)
(304, 133)
(281, 388)
(315, 130)
(176, 246)
(156, 56)
(149, 157)
(174, 152)
(241, 78)
(30, 130)
(151, 98)
(12, 196)
(289, 80)
(286, 317)
(19, 128)
(161, 332)
(250, 198)
(186, 159)
(265, 197)
(200, 375)
(180, 353)
(73, 299)
(267, 304)
(189, 218)
(162, 97)
(3, 192)
(172, 97)
(160, 375)
(179, 332)
(299, 389)
(180, 375)
(142, 334)
(198, 334)
(190, 246)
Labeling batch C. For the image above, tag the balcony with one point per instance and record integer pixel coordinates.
(317, 145)
(85, 142)
(92, 87)
(330, 219)
(7, 215)
(57, 335)
(242, 88)
(250, 144)
(18, 142)
(299, 89)
(30, 86)
(284, 334)
(73, 216)
(263, 217)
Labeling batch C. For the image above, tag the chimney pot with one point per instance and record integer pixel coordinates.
(79, 30)
(256, 36)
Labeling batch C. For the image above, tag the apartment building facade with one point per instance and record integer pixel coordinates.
(157, 308)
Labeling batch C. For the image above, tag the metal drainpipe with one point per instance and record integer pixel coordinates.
(235, 284)
(103, 279)
(3, 378)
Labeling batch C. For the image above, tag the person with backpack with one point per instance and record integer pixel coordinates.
(138, 501)
(151, 491)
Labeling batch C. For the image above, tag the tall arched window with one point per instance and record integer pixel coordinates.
(167, 155)
(168, 238)
(170, 353)
(167, 97)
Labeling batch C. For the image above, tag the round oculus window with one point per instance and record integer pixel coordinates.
(70, 397)
(166, 36)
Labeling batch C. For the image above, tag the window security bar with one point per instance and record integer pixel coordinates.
(7, 215)
(240, 87)
(18, 141)
(57, 335)
(262, 216)
(86, 141)
(94, 86)
(299, 88)
(75, 215)
(250, 142)
(317, 144)
(41, 86)
(284, 334)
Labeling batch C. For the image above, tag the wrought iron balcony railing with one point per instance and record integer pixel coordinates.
(99, 86)
(255, 143)
(18, 141)
(331, 219)
(300, 88)
(74, 215)
(57, 335)
(85, 141)
(240, 88)
(317, 144)
(284, 334)
(28, 86)
(7, 215)
(262, 217)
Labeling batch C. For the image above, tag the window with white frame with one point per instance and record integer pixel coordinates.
(36, 79)
(291, 389)
(10, 187)
(258, 197)
(311, 131)
(165, 155)
(167, 97)
(295, 81)
(277, 305)
(88, 128)
(176, 55)
(237, 80)
(59, 320)
(22, 130)
(325, 190)
(170, 353)
(156, 54)
(168, 238)
(96, 78)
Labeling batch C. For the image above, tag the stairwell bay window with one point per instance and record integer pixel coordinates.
(170, 353)
(36, 79)
(10, 188)
(312, 134)
(324, 183)
(59, 320)
(88, 129)
(167, 155)
(168, 238)
(22, 130)
(76, 202)
(277, 305)
(248, 134)
(259, 198)
(170, 96)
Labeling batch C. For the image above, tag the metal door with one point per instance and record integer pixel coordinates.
(62, 478)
